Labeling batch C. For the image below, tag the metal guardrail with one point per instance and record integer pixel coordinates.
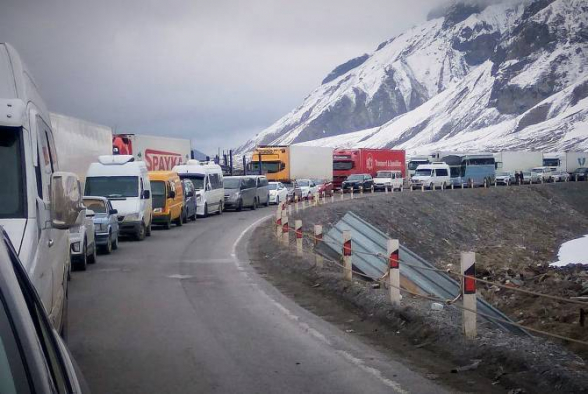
(368, 240)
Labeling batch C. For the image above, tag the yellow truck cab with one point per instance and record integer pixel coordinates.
(168, 198)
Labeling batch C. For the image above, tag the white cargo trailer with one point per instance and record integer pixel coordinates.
(311, 162)
(566, 161)
(158, 153)
(79, 143)
(512, 161)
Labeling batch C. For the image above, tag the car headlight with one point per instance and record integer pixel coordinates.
(235, 196)
(157, 210)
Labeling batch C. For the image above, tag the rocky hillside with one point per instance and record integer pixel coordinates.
(512, 75)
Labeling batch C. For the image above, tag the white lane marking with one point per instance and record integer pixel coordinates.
(207, 261)
(178, 276)
(313, 332)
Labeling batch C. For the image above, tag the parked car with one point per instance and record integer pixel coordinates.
(263, 194)
(34, 356)
(543, 173)
(559, 176)
(105, 223)
(431, 176)
(190, 206)
(531, 177)
(277, 192)
(580, 174)
(168, 199)
(240, 192)
(505, 178)
(82, 242)
(325, 188)
(392, 180)
(307, 187)
(358, 182)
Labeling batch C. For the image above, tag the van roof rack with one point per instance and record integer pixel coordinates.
(115, 159)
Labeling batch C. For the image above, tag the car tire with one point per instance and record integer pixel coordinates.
(167, 224)
(108, 247)
(141, 233)
(184, 216)
(148, 229)
(115, 243)
(180, 220)
(254, 206)
(220, 208)
(92, 258)
(240, 205)
(82, 265)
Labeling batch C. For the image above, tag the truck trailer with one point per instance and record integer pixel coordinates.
(366, 161)
(79, 143)
(158, 153)
(288, 163)
(511, 161)
(566, 161)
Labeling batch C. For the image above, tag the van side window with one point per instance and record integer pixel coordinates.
(441, 172)
(264, 182)
(45, 167)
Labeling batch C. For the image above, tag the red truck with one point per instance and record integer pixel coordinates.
(366, 161)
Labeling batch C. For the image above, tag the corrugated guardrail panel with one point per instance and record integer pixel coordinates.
(367, 238)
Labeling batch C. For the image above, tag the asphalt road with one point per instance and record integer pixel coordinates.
(183, 312)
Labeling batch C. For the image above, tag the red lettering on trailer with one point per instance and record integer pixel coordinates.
(157, 160)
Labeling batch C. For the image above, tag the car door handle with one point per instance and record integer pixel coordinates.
(50, 243)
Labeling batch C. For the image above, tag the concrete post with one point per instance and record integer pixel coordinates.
(285, 230)
(394, 271)
(278, 222)
(361, 190)
(472, 183)
(468, 269)
(411, 187)
(318, 237)
(451, 185)
(298, 230)
(386, 189)
(289, 209)
(495, 183)
(348, 274)
(422, 187)
(342, 195)
(352, 188)
(332, 197)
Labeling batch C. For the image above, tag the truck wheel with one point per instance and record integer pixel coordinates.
(148, 229)
(240, 205)
(140, 234)
(92, 258)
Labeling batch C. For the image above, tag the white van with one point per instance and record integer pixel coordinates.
(431, 175)
(38, 204)
(208, 181)
(125, 182)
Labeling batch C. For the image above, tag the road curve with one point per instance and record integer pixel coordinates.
(184, 312)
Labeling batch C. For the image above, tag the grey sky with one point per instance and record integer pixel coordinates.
(215, 71)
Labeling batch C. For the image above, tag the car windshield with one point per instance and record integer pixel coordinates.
(384, 174)
(303, 183)
(581, 169)
(423, 172)
(98, 206)
(342, 165)
(355, 178)
(197, 180)
(112, 186)
(12, 196)
(273, 186)
(232, 183)
(538, 170)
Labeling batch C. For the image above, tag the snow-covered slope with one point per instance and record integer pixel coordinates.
(512, 75)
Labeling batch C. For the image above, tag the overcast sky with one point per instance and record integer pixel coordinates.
(216, 71)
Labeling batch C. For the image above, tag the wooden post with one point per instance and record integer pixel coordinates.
(285, 230)
(279, 222)
(468, 269)
(386, 189)
(352, 188)
(318, 237)
(298, 230)
(348, 274)
(394, 271)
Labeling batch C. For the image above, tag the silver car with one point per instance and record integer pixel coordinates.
(240, 192)
(105, 223)
(263, 194)
(82, 242)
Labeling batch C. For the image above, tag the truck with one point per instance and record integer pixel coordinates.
(38, 202)
(288, 163)
(566, 161)
(79, 143)
(512, 161)
(366, 161)
(158, 153)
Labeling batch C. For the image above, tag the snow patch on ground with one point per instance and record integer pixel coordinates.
(572, 252)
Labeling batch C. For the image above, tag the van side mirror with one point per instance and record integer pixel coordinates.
(113, 211)
(66, 200)
(146, 194)
(172, 194)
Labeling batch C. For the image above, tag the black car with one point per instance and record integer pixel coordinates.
(36, 359)
(580, 174)
(358, 182)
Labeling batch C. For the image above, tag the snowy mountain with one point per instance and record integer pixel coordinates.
(512, 75)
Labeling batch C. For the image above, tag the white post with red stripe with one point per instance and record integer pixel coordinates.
(318, 238)
(348, 274)
(289, 209)
(285, 229)
(468, 269)
(332, 196)
(394, 271)
(279, 221)
(295, 202)
(298, 231)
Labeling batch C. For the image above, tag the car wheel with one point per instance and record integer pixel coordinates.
(205, 210)
(240, 205)
(92, 258)
(180, 220)
(115, 243)
(167, 224)
(140, 234)
(148, 229)
(254, 206)
(108, 247)
(82, 265)
(184, 216)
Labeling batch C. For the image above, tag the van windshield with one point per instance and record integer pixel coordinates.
(112, 186)
(12, 195)
(197, 180)
(423, 172)
(232, 183)
(384, 174)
